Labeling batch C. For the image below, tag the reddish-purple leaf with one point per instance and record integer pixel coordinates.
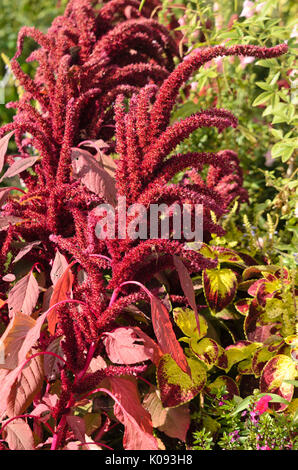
(129, 411)
(17, 167)
(174, 422)
(93, 176)
(31, 337)
(106, 161)
(4, 194)
(52, 364)
(60, 265)
(9, 278)
(78, 427)
(3, 148)
(129, 345)
(7, 220)
(42, 411)
(26, 388)
(61, 291)
(19, 435)
(165, 334)
(23, 296)
(13, 338)
(26, 249)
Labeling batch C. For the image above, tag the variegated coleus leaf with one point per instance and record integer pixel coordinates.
(259, 360)
(242, 306)
(177, 387)
(267, 287)
(209, 352)
(226, 255)
(240, 351)
(223, 255)
(220, 287)
(255, 326)
(254, 272)
(186, 320)
(223, 381)
(274, 378)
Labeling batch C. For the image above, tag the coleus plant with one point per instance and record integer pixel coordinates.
(260, 302)
(77, 324)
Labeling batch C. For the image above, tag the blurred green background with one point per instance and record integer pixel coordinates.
(13, 15)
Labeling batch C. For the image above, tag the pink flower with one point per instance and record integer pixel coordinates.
(263, 447)
(246, 60)
(269, 160)
(248, 9)
(262, 404)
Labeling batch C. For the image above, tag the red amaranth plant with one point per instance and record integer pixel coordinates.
(89, 285)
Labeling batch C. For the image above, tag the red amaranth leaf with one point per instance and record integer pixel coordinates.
(78, 427)
(52, 364)
(17, 167)
(31, 337)
(25, 389)
(138, 433)
(165, 334)
(13, 338)
(129, 345)
(61, 291)
(10, 277)
(93, 176)
(23, 296)
(4, 194)
(26, 249)
(3, 148)
(7, 220)
(174, 422)
(19, 435)
(105, 160)
(60, 265)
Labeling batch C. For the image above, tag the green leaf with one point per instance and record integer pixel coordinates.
(262, 98)
(264, 86)
(186, 320)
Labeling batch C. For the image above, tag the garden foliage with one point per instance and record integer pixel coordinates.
(100, 335)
